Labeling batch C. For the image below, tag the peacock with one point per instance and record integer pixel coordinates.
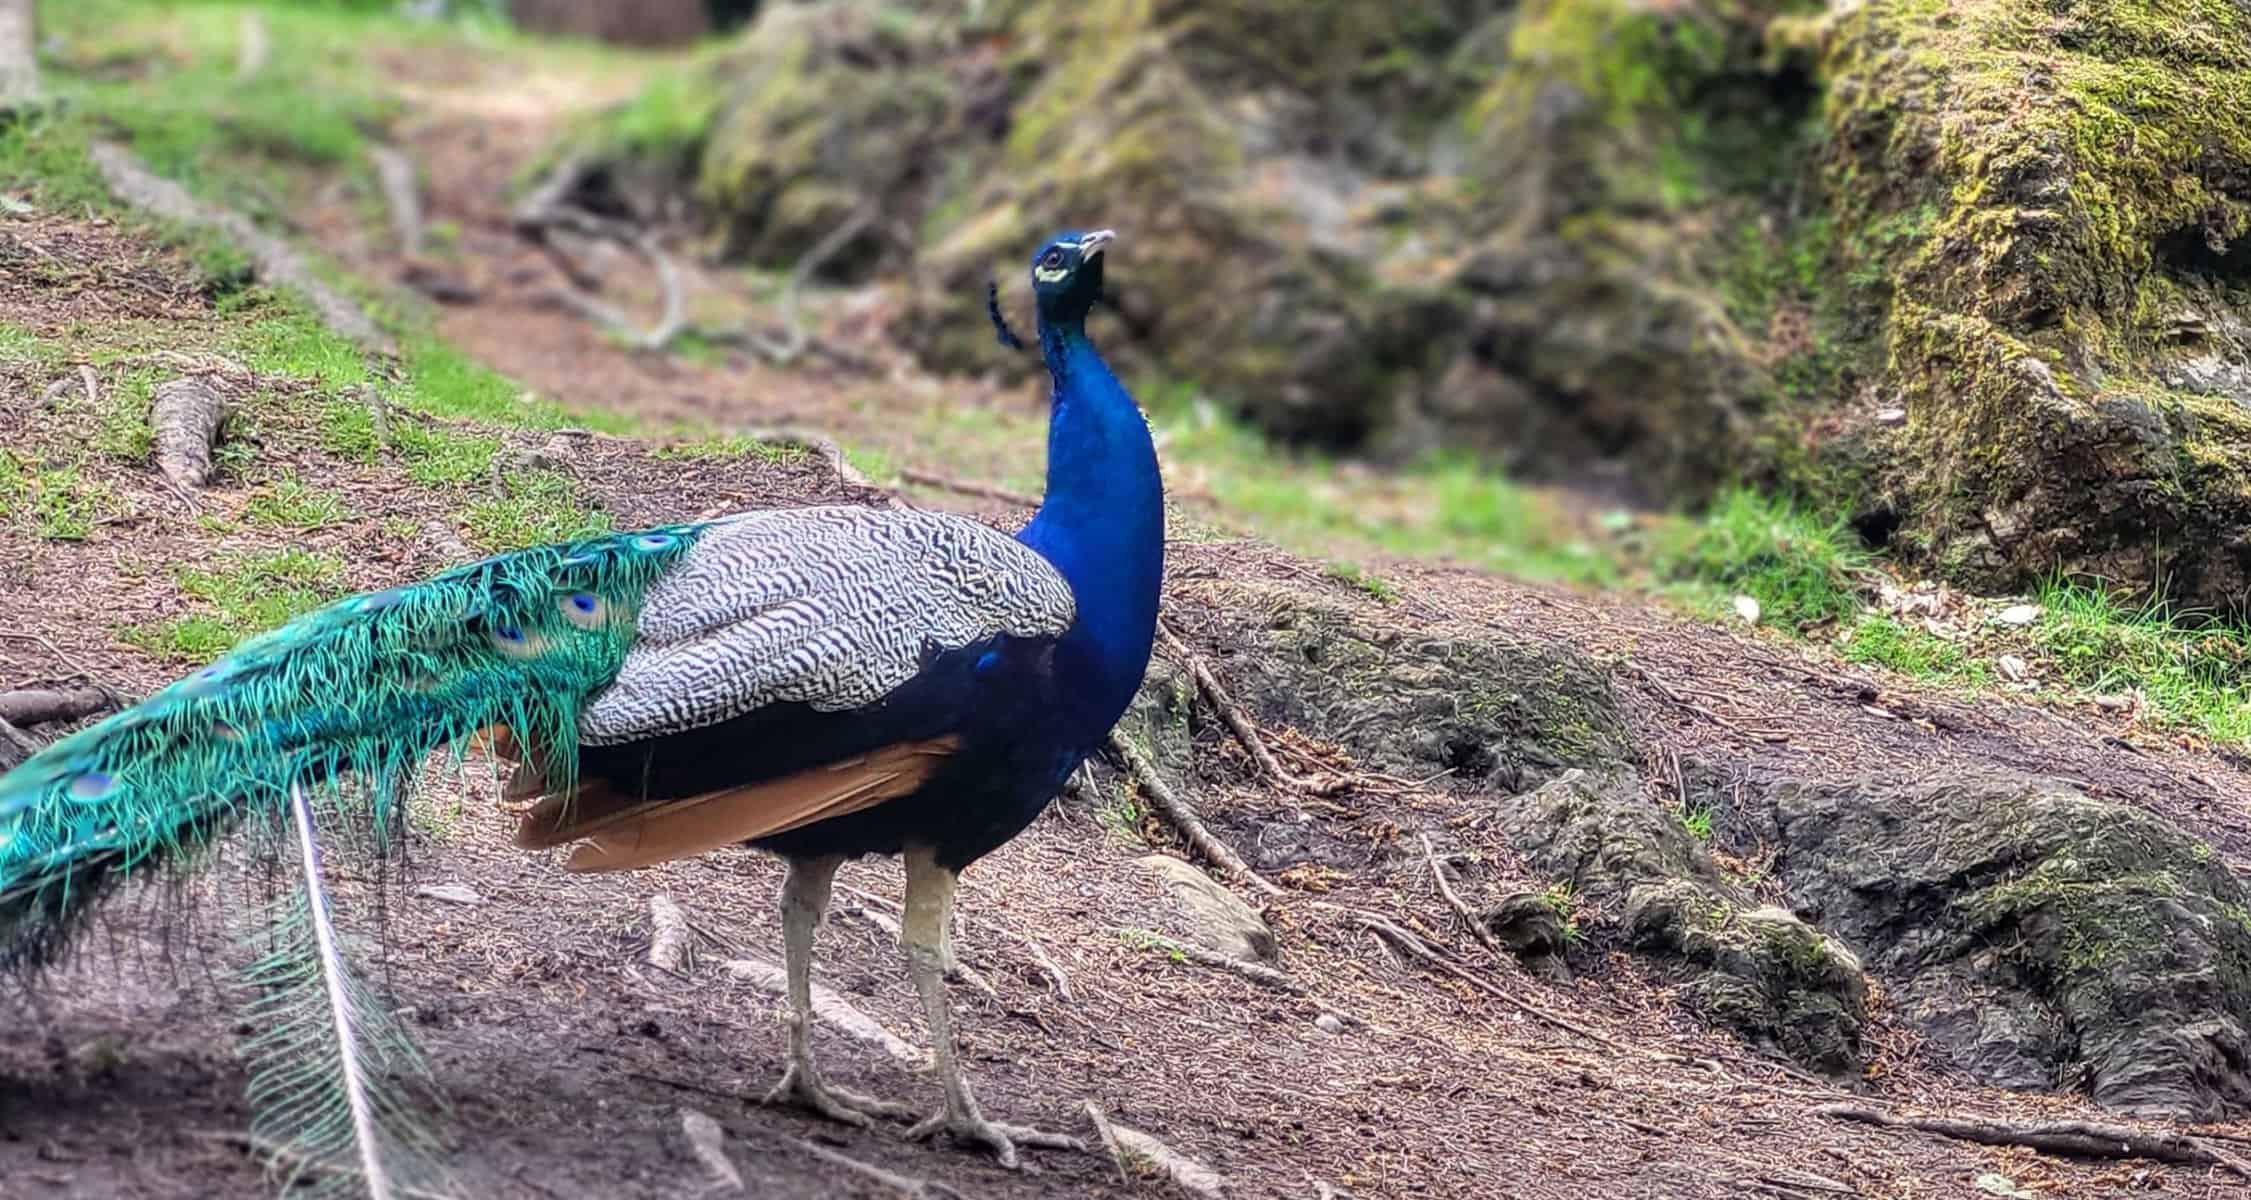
(823, 683)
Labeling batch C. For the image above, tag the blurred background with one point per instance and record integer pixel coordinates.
(1881, 317)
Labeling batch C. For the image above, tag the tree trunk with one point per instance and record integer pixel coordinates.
(19, 56)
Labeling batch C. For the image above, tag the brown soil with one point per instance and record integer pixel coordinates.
(567, 1061)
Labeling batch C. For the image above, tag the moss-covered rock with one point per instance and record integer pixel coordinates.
(1759, 970)
(2060, 301)
(2039, 938)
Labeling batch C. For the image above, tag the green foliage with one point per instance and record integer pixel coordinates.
(1698, 823)
(1802, 567)
(289, 503)
(242, 595)
(1882, 641)
(2192, 672)
(532, 508)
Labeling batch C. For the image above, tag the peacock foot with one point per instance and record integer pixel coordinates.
(972, 1129)
(802, 1085)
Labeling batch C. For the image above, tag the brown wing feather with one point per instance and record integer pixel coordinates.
(621, 831)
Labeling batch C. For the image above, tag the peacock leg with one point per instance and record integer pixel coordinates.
(930, 904)
(805, 894)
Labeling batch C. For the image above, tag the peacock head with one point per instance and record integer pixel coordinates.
(1067, 275)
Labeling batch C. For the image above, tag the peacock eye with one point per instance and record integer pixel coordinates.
(1053, 258)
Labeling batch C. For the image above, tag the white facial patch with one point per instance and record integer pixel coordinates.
(1050, 274)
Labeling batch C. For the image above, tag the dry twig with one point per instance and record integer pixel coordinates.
(1454, 901)
(669, 940)
(1184, 818)
(2076, 1139)
(394, 173)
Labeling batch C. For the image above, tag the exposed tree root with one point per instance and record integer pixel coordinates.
(709, 1144)
(838, 1012)
(186, 414)
(38, 706)
(794, 341)
(1183, 817)
(276, 261)
(1134, 1151)
(394, 173)
(1258, 973)
(2075, 1139)
(905, 1185)
(1412, 946)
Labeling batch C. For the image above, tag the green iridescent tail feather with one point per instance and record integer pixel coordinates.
(367, 688)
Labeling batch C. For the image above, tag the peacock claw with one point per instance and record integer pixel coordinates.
(1002, 1139)
(802, 1086)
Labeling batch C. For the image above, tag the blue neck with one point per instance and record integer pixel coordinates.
(1103, 521)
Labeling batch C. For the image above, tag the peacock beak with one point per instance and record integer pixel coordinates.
(1091, 245)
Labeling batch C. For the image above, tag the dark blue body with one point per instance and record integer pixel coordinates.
(1027, 712)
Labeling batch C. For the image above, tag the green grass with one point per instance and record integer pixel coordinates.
(1803, 567)
(733, 447)
(2192, 671)
(290, 503)
(242, 595)
(1383, 590)
(57, 503)
(1883, 641)
(532, 508)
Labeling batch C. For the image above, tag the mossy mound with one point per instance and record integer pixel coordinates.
(1970, 268)
(2037, 937)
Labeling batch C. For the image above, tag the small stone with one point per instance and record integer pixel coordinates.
(2001, 1185)
(2019, 614)
(1208, 914)
(451, 893)
(1747, 607)
(2114, 703)
(1328, 1023)
(2016, 669)
(1891, 417)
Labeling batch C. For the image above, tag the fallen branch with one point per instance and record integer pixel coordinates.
(906, 1185)
(394, 173)
(830, 1007)
(186, 415)
(795, 340)
(1183, 817)
(2075, 1139)
(982, 491)
(275, 261)
(1127, 1145)
(709, 1144)
(1240, 724)
(1454, 901)
(38, 706)
(547, 209)
(669, 942)
(1257, 973)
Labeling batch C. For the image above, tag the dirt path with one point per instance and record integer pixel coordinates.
(568, 1061)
